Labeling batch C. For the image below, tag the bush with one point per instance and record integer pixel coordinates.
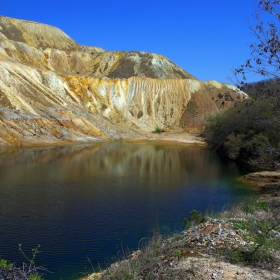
(195, 218)
(259, 232)
(158, 129)
(248, 131)
(26, 271)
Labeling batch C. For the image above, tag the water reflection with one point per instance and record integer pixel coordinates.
(81, 201)
(75, 163)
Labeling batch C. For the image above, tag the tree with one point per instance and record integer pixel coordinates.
(251, 130)
(265, 60)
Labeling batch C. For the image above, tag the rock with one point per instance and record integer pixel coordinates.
(82, 92)
(35, 35)
(214, 275)
(263, 180)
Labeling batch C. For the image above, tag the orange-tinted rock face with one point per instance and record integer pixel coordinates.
(204, 103)
(53, 90)
(19, 130)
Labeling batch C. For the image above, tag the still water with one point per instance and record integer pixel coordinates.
(88, 202)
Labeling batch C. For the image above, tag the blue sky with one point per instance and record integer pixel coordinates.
(206, 38)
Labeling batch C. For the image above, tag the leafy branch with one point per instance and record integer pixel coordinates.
(28, 271)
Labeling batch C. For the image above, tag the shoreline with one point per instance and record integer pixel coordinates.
(165, 138)
(207, 250)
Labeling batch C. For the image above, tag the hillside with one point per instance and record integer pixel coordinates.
(53, 90)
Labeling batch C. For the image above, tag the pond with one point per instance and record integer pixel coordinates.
(86, 204)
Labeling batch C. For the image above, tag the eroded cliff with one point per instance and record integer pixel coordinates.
(54, 90)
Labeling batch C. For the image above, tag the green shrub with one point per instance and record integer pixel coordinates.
(195, 218)
(258, 233)
(233, 145)
(26, 271)
(35, 276)
(158, 129)
(249, 131)
(5, 264)
(254, 206)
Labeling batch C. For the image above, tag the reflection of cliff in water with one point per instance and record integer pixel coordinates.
(82, 202)
(163, 165)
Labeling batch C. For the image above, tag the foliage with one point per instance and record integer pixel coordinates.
(26, 271)
(35, 276)
(194, 218)
(158, 129)
(5, 264)
(265, 60)
(259, 233)
(35, 251)
(178, 253)
(251, 130)
(254, 206)
(246, 131)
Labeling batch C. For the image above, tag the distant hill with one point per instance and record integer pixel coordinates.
(263, 88)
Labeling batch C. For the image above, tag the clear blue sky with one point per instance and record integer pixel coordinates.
(206, 38)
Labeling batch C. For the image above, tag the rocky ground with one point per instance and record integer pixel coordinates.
(139, 136)
(266, 181)
(243, 243)
(170, 137)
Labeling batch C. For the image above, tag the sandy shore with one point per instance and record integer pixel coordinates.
(166, 138)
(171, 138)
